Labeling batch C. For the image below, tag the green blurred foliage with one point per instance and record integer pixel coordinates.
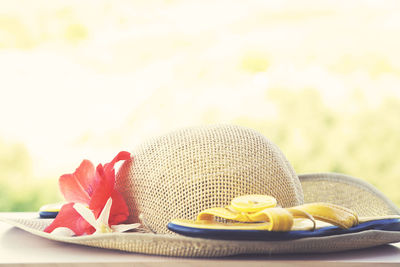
(16, 34)
(18, 190)
(76, 32)
(362, 141)
(255, 61)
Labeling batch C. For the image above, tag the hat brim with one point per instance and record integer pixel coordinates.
(175, 245)
(346, 191)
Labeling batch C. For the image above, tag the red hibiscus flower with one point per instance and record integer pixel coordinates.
(91, 189)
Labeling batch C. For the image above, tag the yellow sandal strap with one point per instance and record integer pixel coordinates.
(330, 213)
(208, 215)
(299, 213)
(251, 208)
(280, 220)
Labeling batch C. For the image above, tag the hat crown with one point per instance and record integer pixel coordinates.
(182, 173)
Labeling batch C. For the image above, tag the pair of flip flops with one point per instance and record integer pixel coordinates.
(257, 217)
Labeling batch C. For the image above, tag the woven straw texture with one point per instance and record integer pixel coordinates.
(182, 173)
(346, 191)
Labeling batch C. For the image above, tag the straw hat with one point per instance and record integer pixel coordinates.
(182, 173)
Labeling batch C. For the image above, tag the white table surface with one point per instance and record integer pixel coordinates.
(20, 248)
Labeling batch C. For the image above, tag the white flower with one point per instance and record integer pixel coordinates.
(101, 224)
(63, 231)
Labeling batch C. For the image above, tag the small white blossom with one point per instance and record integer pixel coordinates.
(101, 224)
(63, 231)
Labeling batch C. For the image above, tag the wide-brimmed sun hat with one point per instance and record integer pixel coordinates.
(183, 173)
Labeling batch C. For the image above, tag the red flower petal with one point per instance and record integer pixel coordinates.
(119, 210)
(102, 190)
(70, 218)
(78, 187)
(105, 182)
(123, 155)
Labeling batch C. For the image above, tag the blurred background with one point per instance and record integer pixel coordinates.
(86, 79)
